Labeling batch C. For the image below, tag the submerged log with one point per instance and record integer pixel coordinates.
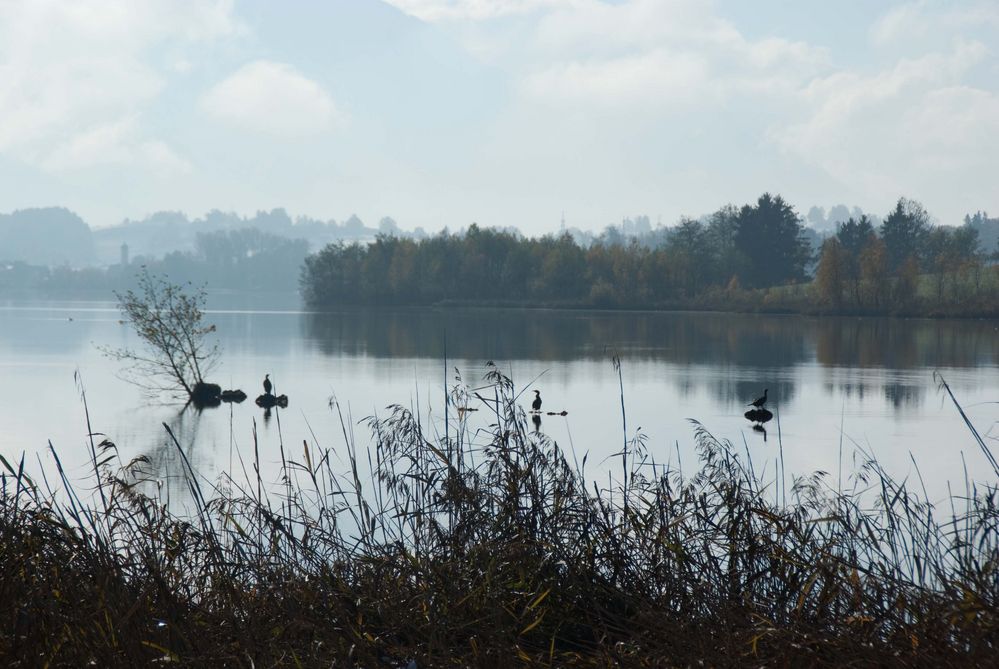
(267, 401)
(759, 415)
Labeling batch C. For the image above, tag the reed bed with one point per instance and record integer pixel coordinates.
(491, 547)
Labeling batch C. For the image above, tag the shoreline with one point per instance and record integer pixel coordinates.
(747, 303)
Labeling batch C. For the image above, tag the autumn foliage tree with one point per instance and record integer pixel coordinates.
(829, 277)
(874, 271)
(907, 283)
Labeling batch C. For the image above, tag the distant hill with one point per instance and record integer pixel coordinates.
(46, 236)
(169, 231)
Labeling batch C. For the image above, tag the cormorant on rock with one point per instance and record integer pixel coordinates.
(760, 401)
(267, 384)
(268, 401)
(536, 404)
(759, 416)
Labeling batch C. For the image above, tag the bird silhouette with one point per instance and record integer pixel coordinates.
(536, 404)
(760, 401)
(267, 384)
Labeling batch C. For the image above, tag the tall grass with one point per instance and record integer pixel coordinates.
(492, 547)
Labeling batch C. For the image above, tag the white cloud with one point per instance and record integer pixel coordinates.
(916, 20)
(955, 128)
(73, 72)
(272, 98)
(162, 159)
(899, 129)
(657, 75)
(904, 20)
(622, 80)
(471, 10)
(662, 52)
(596, 27)
(117, 143)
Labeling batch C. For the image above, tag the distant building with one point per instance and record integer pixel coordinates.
(124, 254)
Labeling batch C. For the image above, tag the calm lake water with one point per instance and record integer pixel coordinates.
(845, 389)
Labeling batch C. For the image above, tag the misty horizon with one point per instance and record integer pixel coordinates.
(816, 216)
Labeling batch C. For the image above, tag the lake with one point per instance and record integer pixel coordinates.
(844, 389)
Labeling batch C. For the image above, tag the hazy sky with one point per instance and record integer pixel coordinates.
(505, 112)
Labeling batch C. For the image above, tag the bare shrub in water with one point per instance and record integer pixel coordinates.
(490, 548)
(177, 353)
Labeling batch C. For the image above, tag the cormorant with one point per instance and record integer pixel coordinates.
(536, 404)
(267, 384)
(760, 401)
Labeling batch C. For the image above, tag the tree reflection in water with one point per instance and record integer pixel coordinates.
(165, 460)
(705, 347)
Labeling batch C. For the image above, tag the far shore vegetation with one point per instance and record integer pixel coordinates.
(752, 258)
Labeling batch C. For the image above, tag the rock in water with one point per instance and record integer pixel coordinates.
(267, 401)
(759, 415)
(236, 396)
(206, 394)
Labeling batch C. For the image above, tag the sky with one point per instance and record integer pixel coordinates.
(502, 112)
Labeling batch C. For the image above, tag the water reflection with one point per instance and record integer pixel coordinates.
(46, 330)
(905, 344)
(682, 338)
(904, 396)
(735, 391)
(186, 437)
(180, 432)
(867, 379)
(733, 355)
(517, 334)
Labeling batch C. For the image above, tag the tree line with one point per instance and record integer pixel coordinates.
(734, 251)
(905, 259)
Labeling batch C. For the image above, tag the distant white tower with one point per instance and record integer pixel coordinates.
(562, 229)
(124, 253)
